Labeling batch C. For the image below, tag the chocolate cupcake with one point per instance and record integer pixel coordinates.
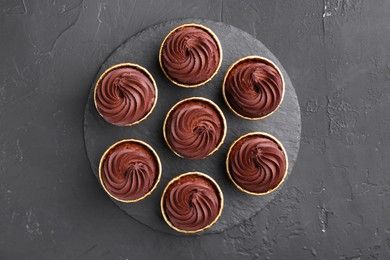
(190, 55)
(129, 170)
(191, 202)
(194, 128)
(257, 163)
(253, 87)
(125, 94)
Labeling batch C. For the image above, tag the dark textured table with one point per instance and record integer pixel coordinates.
(335, 205)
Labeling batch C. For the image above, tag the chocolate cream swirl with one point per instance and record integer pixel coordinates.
(257, 165)
(192, 205)
(190, 55)
(124, 96)
(254, 89)
(128, 174)
(194, 130)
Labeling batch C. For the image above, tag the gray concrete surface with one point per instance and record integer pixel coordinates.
(336, 205)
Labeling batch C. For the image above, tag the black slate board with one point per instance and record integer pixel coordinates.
(285, 123)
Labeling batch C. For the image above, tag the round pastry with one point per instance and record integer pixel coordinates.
(125, 94)
(190, 55)
(194, 128)
(257, 163)
(129, 170)
(191, 202)
(253, 87)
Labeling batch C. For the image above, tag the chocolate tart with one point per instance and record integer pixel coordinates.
(257, 163)
(129, 170)
(190, 55)
(192, 202)
(253, 87)
(125, 94)
(194, 128)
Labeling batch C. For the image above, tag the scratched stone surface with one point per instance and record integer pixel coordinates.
(336, 203)
(143, 49)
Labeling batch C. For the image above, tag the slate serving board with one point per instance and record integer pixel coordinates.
(143, 49)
